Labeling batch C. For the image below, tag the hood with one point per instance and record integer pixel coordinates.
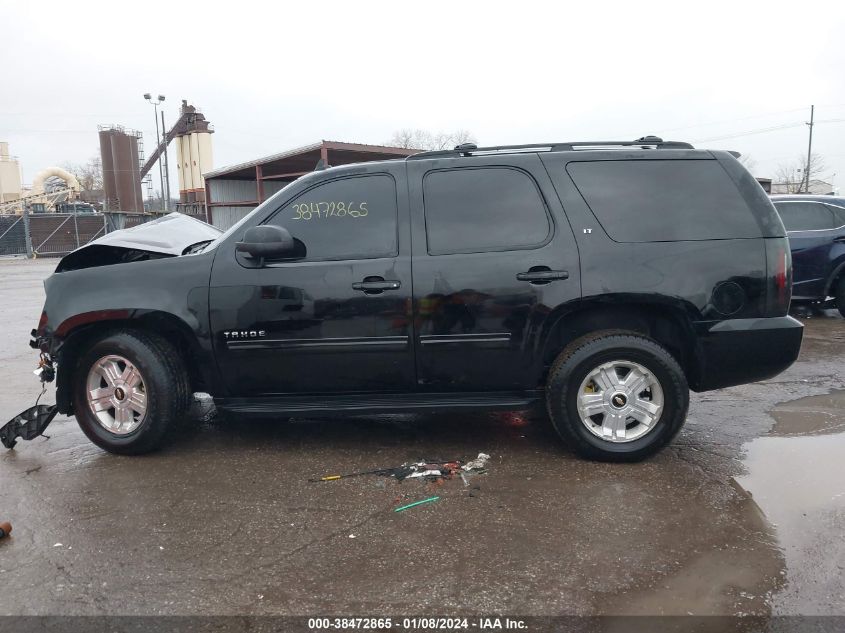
(169, 236)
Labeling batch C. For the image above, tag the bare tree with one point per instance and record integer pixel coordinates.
(794, 178)
(426, 140)
(89, 175)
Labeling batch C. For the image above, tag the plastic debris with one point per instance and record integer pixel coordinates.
(479, 463)
(415, 503)
(430, 470)
(5, 529)
(426, 473)
(27, 425)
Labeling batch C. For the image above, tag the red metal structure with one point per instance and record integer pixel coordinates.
(237, 189)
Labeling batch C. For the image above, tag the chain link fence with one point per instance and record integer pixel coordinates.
(57, 234)
(13, 235)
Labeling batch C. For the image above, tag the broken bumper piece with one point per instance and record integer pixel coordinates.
(28, 425)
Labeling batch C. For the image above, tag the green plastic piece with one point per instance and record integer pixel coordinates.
(416, 503)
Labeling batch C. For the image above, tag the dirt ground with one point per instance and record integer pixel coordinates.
(742, 514)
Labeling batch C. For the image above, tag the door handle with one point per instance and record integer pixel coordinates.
(376, 285)
(542, 276)
(840, 239)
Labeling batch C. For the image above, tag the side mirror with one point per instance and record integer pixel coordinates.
(266, 242)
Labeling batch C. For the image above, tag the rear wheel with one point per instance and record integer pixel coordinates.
(839, 297)
(130, 388)
(616, 396)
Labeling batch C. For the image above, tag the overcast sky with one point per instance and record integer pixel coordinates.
(272, 76)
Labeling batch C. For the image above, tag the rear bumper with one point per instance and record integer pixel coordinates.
(739, 351)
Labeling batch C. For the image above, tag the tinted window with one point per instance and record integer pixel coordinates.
(352, 218)
(483, 209)
(664, 200)
(805, 216)
(838, 215)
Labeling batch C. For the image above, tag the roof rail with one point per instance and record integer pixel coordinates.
(470, 149)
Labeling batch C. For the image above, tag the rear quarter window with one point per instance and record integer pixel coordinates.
(838, 214)
(805, 216)
(664, 200)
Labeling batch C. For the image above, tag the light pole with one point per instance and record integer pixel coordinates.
(166, 159)
(155, 104)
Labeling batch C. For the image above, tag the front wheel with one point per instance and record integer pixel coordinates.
(130, 389)
(616, 396)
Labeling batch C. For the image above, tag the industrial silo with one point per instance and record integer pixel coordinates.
(109, 185)
(193, 156)
(121, 169)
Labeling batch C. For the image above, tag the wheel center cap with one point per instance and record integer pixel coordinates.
(119, 393)
(619, 400)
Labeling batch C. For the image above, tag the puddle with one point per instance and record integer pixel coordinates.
(797, 477)
(813, 415)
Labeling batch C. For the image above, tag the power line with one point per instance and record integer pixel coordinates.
(773, 128)
(749, 132)
(747, 118)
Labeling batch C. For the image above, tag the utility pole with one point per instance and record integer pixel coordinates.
(809, 151)
(166, 163)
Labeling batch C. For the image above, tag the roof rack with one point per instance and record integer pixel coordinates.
(470, 149)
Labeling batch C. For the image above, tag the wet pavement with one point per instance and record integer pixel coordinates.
(742, 514)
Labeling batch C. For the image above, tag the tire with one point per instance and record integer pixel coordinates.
(839, 297)
(159, 386)
(631, 440)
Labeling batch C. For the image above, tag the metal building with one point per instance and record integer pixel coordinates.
(232, 192)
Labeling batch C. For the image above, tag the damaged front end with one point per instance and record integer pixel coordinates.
(32, 422)
(143, 277)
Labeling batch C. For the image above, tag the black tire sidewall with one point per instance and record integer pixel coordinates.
(145, 356)
(565, 385)
(839, 297)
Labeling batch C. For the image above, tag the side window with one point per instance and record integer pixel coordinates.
(805, 216)
(350, 218)
(838, 215)
(664, 200)
(481, 209)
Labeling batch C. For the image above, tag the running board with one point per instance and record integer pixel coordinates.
(377, 403)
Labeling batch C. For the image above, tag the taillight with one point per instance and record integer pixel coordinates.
(779, 273)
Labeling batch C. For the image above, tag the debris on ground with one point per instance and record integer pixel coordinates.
(27, 425)
(479, 463)
(429, 470)
(5, 529)
(415, 503)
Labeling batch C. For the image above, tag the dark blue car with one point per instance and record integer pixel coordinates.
(816, 229)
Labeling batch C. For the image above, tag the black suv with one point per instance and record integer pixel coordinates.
(816, 229)
(603, 279)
